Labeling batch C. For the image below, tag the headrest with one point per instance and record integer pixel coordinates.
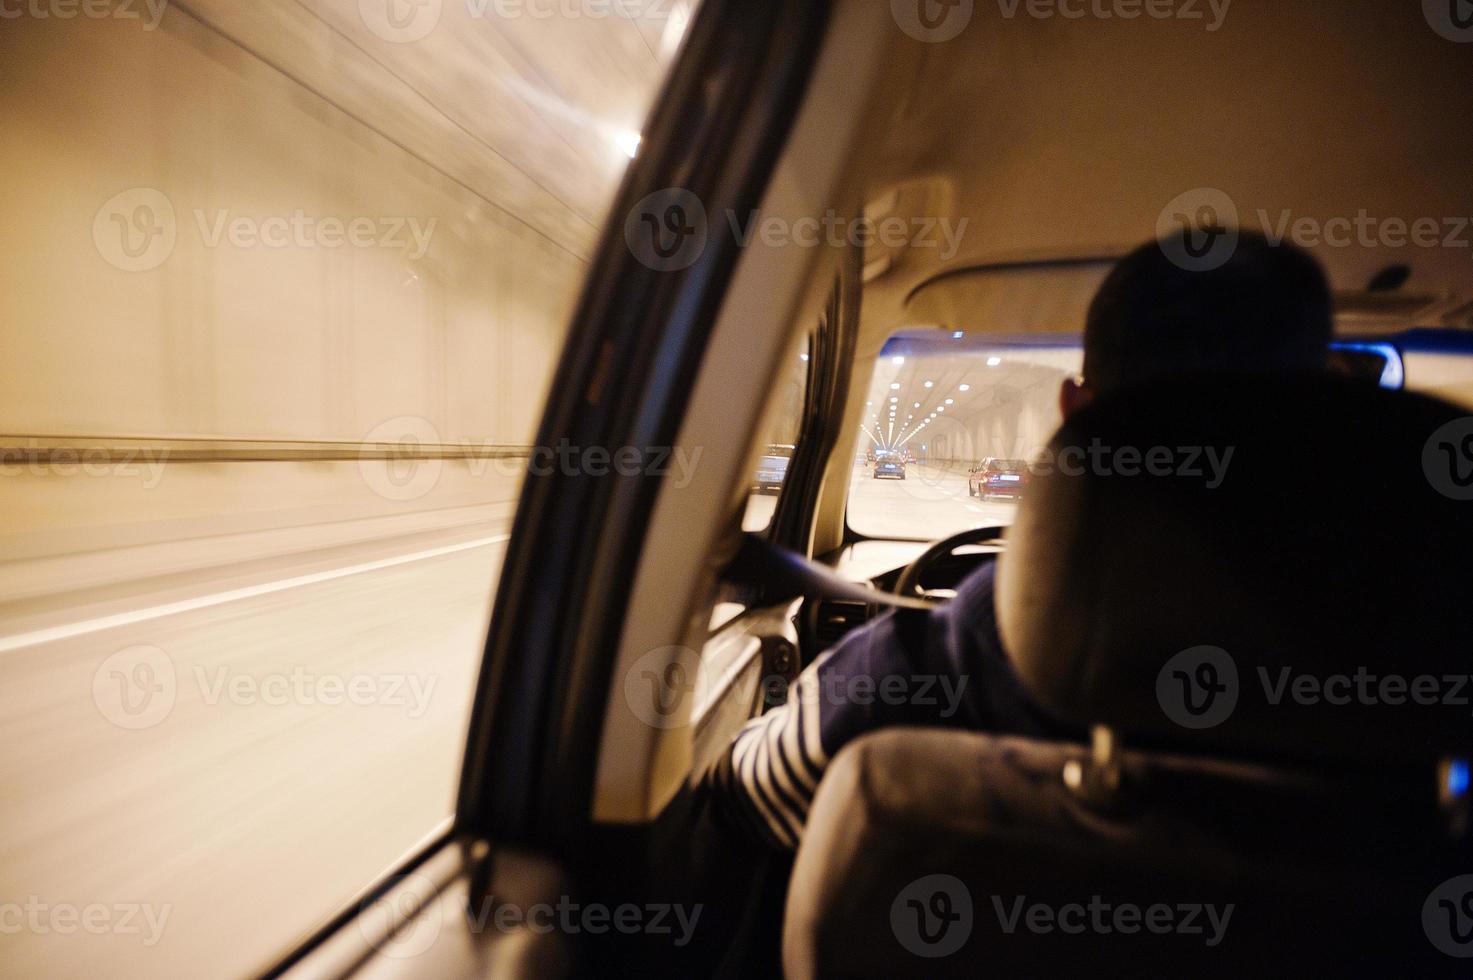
(1274, 567)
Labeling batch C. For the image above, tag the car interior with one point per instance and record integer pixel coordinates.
(1023, 155)
(1062, 146)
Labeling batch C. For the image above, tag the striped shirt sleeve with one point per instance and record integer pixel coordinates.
(946, 668)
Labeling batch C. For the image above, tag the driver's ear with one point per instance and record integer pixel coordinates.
(1074, 394)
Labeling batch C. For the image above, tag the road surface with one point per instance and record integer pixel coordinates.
(233, 749)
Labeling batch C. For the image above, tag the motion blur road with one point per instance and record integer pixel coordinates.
(931, 503)
(257, 698)
(166, 753)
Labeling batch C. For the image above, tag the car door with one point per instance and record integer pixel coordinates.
(580, 784)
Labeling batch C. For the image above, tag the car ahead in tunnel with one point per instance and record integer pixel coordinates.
(1002, 478)
(889, 466)
(773, 469)
(834, 208)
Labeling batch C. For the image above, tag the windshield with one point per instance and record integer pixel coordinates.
(955, 409)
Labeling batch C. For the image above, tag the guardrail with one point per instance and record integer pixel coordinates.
(54, 450)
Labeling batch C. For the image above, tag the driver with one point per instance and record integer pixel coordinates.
(1267, 309)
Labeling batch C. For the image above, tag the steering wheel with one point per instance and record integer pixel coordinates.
(909, 584)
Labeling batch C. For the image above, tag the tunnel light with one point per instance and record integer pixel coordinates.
(994, 361)
(895, 386)
(951, 401)
(803, 358)
(897, 360)
(627, 140)
(964, 388)
(958, 335)
(941, 409)
(930, 384)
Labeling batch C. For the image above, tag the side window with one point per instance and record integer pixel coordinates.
(284, 289)
(781, 422)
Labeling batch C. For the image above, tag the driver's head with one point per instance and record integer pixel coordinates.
(1266, 309)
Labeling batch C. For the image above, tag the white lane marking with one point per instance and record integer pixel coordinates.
(21, 640)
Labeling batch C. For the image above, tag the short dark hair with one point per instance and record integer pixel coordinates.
(1267, 308)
